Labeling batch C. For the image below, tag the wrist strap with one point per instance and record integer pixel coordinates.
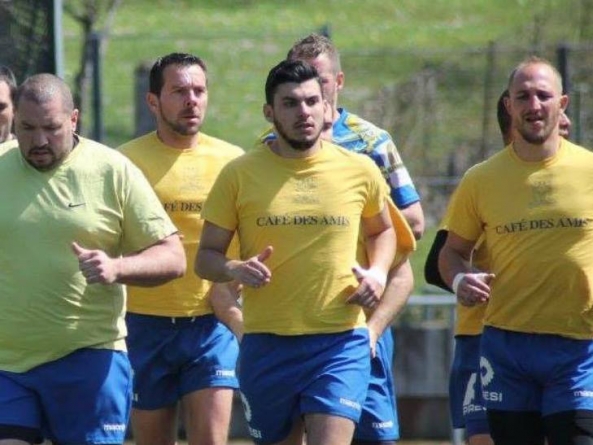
(378, 275)
(455, 284)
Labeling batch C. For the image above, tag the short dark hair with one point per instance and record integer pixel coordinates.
(503, 116)
(7, 76)
(156, 79)
(289, 71)
(43, 87)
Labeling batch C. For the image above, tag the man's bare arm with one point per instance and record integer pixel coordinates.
(155, 265)
(415, 217)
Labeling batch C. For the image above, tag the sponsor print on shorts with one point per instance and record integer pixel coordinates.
(350, 403)
(469, 400)
(487, 374)
(114, 427)
(382, 425)
(253, 432)
(230, 373)
(583, 393)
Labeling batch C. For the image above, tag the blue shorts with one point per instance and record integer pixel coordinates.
(536, 372)
(378, 421)
(465, 393)
(285, 377)
(82, 398)
(173, 357)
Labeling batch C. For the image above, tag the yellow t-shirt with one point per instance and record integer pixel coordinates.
(309, 210)
(469, 320)
(181, 179)
(97, 198)
(406, 243)
(537, 222)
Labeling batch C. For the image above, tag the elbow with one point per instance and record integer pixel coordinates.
(180, 269)
(199, 266)
(178, 263)
(417, 226)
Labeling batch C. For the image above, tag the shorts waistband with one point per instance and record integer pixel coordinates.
(159, 320)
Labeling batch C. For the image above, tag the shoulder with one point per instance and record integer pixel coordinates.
(352, 129)
(98, 157)
(223, 148)
(362, 126)
(577, 150)
(359, 160)
(133, 147)
(492, 165)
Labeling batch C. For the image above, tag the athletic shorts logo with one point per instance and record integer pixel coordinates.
(469, 399)
(246, 407)
(225, 373)
(487, 374)
(486, 371)
(583, 393)
(350, 403)
(114, 427)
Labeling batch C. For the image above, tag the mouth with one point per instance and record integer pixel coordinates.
(305, 126)
(39, 152)
(190, 117)
(536, 122)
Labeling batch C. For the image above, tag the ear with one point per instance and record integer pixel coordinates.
(340, 80)
(152, 101)
(74, 118)
(564, 102)
(268, 113)
(507, 104)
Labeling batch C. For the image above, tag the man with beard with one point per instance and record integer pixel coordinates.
(297, 206)
(178, 349)
(537, 342)
(466, 404)
(78, 221)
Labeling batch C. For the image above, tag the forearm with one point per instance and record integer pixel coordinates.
(451, 263)
(381, 249)
(213, 265)
(415, 217)
(226, 307)
(153, 266)
(400, 284)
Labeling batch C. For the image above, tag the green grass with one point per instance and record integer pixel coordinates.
(384, 44)
(241, 40)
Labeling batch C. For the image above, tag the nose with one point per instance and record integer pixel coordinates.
(39, 138)
(534, 102)
(191, 98)
(304, 109)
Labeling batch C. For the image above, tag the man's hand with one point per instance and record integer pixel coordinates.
(472, 288)
(371, 284)
(252, 272)
(96, 266)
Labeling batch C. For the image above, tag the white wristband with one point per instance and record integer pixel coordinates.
(378, 275)
(455, 284)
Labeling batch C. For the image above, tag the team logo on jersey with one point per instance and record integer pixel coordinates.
(305, 191)
(541, 194)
